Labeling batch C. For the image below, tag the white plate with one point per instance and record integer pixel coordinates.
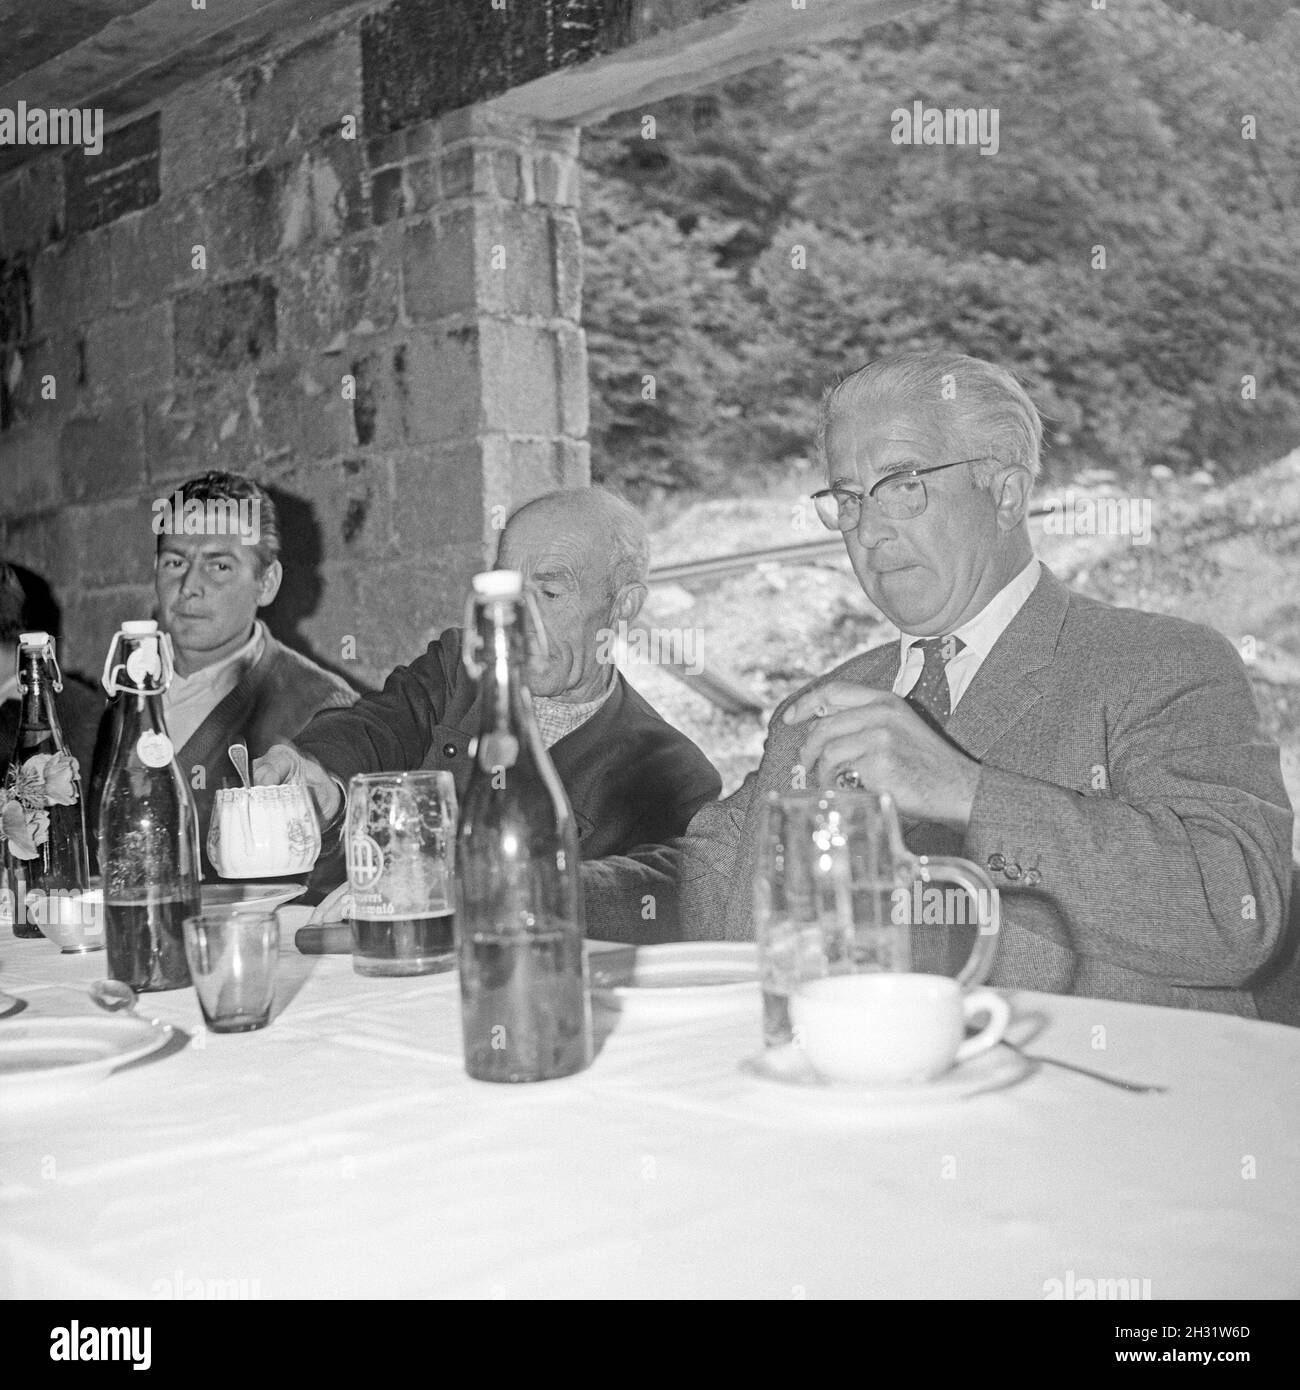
(257, 897)
(680, 976)
(45, 1059)
(786, 1072)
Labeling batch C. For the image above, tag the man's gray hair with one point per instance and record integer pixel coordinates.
(629, 542)
(989, 410)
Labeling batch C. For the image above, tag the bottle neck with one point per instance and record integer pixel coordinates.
(39, 729)
(34, 691)
(504, 656)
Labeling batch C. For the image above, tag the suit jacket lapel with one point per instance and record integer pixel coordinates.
(1007, 684)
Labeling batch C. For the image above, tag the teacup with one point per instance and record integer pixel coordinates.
(263, 832)
(885, 1029)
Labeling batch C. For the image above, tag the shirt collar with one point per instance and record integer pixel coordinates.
(979, 633)
(244, 656)
(556, 719)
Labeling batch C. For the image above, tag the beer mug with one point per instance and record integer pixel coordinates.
(837, 892)
(401, 851)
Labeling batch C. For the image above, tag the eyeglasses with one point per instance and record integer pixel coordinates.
(900, 496)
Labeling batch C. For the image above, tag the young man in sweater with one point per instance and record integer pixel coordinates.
(218, 562)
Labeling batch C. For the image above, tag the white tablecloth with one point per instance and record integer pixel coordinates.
(344, 1152)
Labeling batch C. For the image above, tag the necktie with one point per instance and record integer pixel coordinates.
(930, 696)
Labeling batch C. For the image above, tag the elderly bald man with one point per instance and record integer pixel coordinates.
(1106, 766)
(630, 776)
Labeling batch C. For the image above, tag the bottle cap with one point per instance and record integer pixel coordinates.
(33, 639)
(140, 627)
(498, 584)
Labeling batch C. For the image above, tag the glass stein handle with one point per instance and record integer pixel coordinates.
(979, 887)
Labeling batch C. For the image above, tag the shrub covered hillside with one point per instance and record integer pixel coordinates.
(1132, 248)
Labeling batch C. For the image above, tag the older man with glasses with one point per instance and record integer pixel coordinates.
(1106, 766)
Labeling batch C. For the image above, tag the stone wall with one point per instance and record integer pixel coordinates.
(382, 327)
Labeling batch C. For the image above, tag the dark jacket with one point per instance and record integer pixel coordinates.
(275, 698)
(631, 777)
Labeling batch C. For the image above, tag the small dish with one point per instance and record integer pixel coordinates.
(43, 1060)
(257, 897)
(76, 923)
(787, 1073)
(679, 976)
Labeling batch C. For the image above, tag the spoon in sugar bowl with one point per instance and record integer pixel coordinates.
(238, 754)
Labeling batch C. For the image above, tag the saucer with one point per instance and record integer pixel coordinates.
(786, 1071)
(677, 977)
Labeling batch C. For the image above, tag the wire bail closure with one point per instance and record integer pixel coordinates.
(472, 643)
(155, 651)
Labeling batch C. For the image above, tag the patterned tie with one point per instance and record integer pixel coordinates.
(930, 696)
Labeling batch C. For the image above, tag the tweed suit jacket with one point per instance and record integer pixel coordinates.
(1121, 759)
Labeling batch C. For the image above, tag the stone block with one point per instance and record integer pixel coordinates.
(202, 135)
(309, 299)
(515, 273)
(232, 223)
(520, 380)
(176, 444)
(572, 463)
(129, 353)
(103, 455)
(370, 280)
(337, 190)
(352, 505)
(387, 196)
(556, 178)
(514, 472)
(144, 256)
(438, 493)
(122, 178)
(437, 387)
(303, 95)
(571, 357)
(439, 267)
(29, 465)
(566, 263)
(423, 185)
(113, 542)
(226, 326)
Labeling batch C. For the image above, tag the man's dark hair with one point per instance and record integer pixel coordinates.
(221, 487)
(27, 604)
(12, 600)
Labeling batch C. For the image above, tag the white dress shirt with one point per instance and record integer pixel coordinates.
(189, 700)
(979, 635)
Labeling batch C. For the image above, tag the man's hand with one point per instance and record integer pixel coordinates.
(890, 747)
(283, 763)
